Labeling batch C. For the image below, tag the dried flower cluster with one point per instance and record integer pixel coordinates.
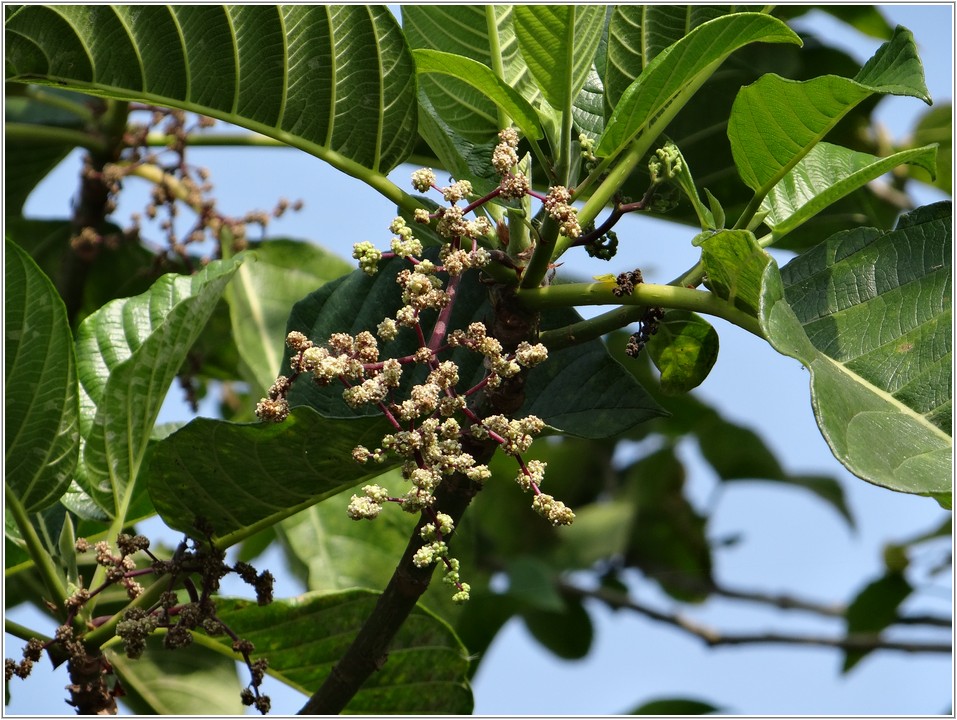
(136, 624)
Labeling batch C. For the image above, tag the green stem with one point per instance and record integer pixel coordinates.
(495, 57)
(41, 557)
(48, 134)
(158, 139)
(593, 328)
(748, 213)
(23, 632)
(541, 255)
(668, 296)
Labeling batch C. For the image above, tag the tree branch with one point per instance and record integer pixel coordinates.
(714, 638)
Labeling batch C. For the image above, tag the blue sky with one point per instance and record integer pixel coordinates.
(793, 543)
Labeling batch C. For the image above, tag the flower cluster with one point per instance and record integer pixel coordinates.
(433, 421)
(557, 204)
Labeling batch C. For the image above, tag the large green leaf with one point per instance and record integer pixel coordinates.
(827, 173)
(671, 79)
(484, 33)
(483, 79)
(775, 122)
(869, 314)
(637, 34)
(335, 81)
(41, 411)
(304, 637)
(579, 390)
(241, 478)
(558, 42)
(128, 353)
(263, 292)
(330, 551)
(184, 681)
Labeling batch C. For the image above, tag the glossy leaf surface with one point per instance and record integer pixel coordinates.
(304, 637)
(881, 391)
(41, 411)
(735, 265)
(335, 81)
(637, 34)
(483, 79)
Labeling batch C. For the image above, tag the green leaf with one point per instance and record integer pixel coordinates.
(874, 609)
(869, 314)
(674, 706)
(276, 275)
(827, 173)
(243, 478)
(458, 122)
(684, 350)
(637, 34)
(489, 39)
(483, 79)
(41, 410)
(531, 582)
(568, 633)
(128, 353)
(305, 637)
(734, 263)
(667, 540)
(935, 126)
(775, 122)
(668, 82)
(178, 682)
(737, 453)
(335, 81)
(558, 43)
(579, 390)
(330, 551)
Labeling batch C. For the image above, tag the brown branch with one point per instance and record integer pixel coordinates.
(714, 638)
(369, 651)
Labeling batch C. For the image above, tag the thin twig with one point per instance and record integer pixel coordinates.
(714, 638)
